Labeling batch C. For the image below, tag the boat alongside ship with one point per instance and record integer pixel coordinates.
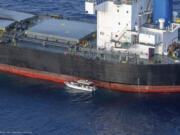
(83, 85)
(50, 48)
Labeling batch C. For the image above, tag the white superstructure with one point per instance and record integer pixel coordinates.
(127, 25)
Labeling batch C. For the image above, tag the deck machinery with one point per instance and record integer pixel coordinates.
(133, 46)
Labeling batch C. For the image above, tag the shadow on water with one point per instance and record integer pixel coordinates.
(45, 107)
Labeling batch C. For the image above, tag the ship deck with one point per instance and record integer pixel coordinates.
(50, 34)
(91, 53)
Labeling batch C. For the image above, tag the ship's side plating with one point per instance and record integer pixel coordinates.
(77, 66)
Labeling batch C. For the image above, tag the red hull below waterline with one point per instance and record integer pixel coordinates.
(63, 78)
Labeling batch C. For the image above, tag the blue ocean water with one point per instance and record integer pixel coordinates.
(45, 108)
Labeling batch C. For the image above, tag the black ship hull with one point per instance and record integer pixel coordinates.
(64, 67)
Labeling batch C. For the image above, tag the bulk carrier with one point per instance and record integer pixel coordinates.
(133, 46)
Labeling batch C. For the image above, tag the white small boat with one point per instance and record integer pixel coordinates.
(81, 86)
